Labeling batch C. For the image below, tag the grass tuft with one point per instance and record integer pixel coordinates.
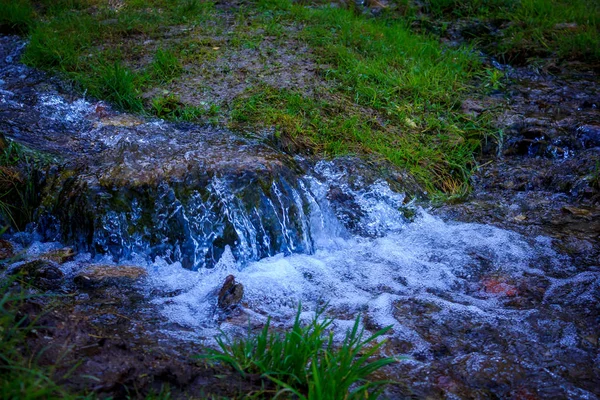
(18, 195)
(20, 376)
(117, 84)
(565, 29)
(165, 66)
(306, 362)
(16, 16)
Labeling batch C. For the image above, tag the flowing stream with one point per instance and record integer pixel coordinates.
(479, 311)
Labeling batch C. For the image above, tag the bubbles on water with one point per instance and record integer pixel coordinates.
(58, 109)
(435, 262)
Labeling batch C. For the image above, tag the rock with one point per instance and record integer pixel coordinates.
(581, 212)
(498, 287)
(568, 26)
(230, 295)
(59, 256)
(589, 135)
(107, 275)
(41, 273)
(6, 249)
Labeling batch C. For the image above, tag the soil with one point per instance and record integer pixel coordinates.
(108, 340)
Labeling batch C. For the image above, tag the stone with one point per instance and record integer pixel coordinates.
(230, 295)
(43, 274)
(59, 256)
(108, 275)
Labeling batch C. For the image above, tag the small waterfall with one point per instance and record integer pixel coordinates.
(192, 225)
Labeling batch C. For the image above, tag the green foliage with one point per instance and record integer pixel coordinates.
(567, 29)
(171, 108)
(61, 42)
(393, 94)
(20, 376)
(165, 66)
(117, 84)
(193, 9)
(18, 195)
(15, 16)
(305, 360)
(383, 90)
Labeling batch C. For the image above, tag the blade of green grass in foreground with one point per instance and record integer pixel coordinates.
(306, 361)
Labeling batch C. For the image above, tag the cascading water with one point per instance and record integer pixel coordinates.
(469, 304)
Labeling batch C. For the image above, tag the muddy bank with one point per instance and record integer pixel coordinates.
(108, 340)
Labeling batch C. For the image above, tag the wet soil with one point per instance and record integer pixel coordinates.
(108, 341)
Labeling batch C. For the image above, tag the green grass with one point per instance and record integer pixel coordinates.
(380, 90)
(21, 377)
(563, 29)
(18, 194)
(306, 362)
(16, 16)
(166, 66)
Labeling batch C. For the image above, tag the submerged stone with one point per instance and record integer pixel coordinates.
(108, 275)
(41, 273)
(59, 256)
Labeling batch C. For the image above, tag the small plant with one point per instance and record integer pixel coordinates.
(171, 108)
(15, 16)
(165, 66)
(494, 79)
(305, 360)
(18, 195)
(20, 377)
(118, 84)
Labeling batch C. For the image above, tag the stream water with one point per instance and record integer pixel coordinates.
(479, 311)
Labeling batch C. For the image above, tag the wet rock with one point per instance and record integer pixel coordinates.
(108, 275)
(59, 256)
(41, 273)
(6, 249)
(589, 135)
(497, 286)
(230, 295)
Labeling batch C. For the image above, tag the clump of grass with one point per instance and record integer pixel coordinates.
(393, 94)
(18, 194)
(565, 29)
(16, 16)
(117, 84)
(20, 375)
(171, 108)
(165, 66)
(193, 9)
(305, 360)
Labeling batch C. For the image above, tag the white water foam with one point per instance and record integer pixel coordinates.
(427, 259)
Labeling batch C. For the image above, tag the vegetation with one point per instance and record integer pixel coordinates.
(351, 83)
(15, 16)
(306, 362)
(20, 375)
(18, 195)
(523, 31)
(376, 88)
